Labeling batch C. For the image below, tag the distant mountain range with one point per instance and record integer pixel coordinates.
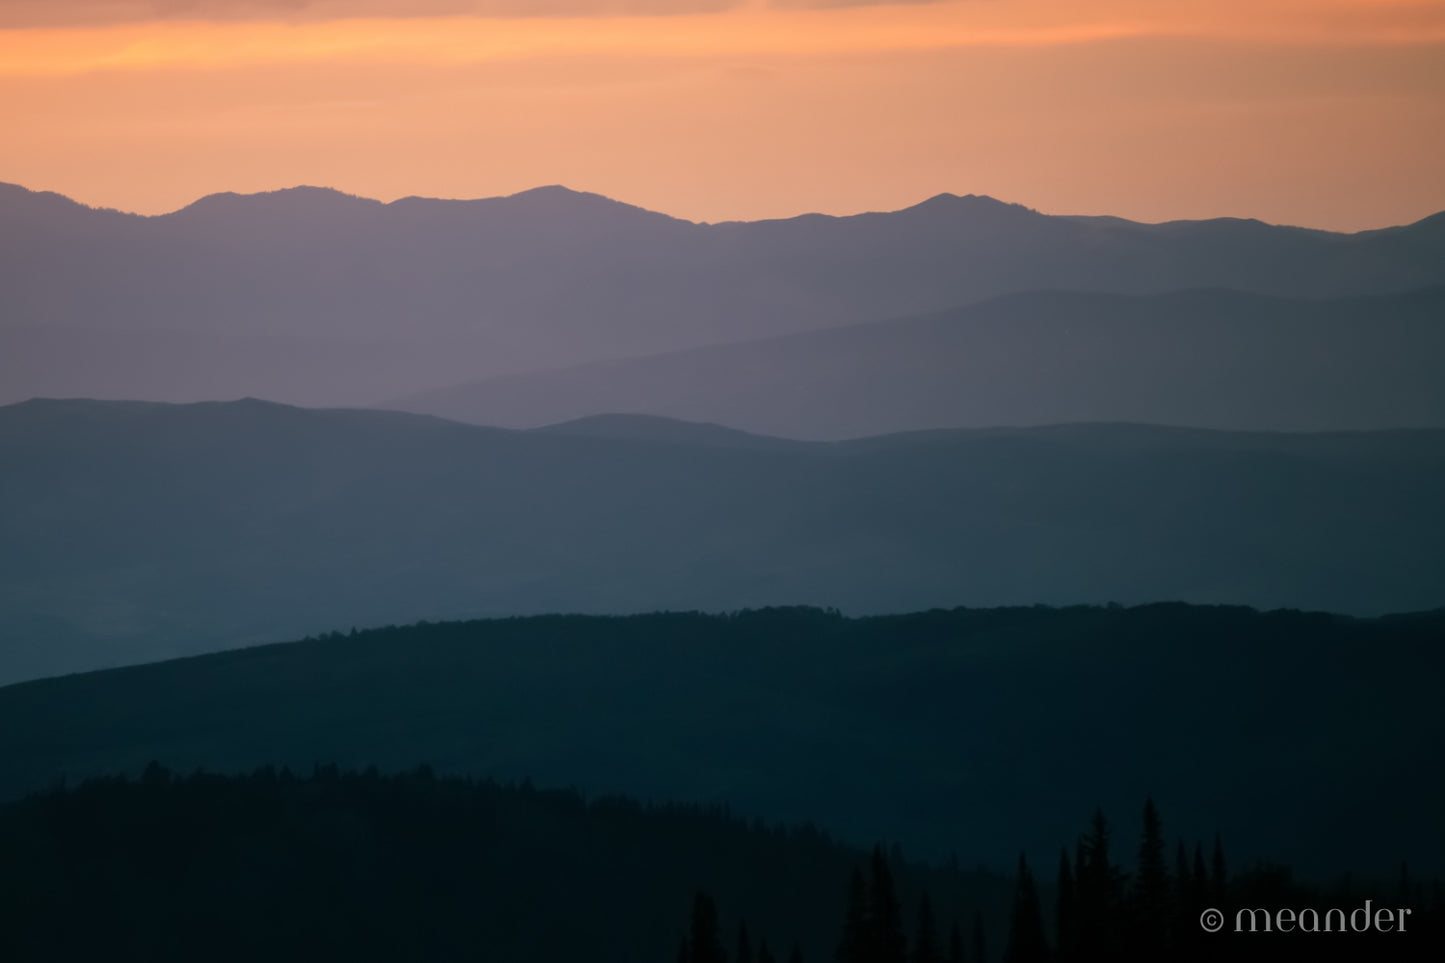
(137, 531)
(1209, 359)
(315, 297)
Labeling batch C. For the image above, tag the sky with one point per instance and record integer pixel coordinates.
(1321, 113)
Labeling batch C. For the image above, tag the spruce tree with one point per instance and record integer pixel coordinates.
(797, 955)
(1026, 942)
(1199, 884)
(889, 945)
(1181, 873)
(980, 941)
(705, 942)
(1149, 901)
(765, 955)
(955, 945)
(1186, 912)
(1096, 903)
(745, 946)
(854, 947)
(925, 947)
(1066, 910)
(1218, 879)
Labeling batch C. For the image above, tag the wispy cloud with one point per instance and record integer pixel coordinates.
(630, 30)
(1321, 112)
(78, 13)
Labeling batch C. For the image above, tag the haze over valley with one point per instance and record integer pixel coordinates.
(722, 481)
(312, 297)
(942, 527)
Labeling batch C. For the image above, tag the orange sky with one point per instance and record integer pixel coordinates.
(1327, 113)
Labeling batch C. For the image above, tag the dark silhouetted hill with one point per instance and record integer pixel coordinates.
(973, 731)
(337, 865)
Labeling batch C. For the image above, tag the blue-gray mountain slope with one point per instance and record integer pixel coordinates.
(314, 297)
(138, 531)
(1209, 359)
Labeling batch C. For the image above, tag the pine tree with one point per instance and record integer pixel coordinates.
(797, 955)
(1026, 942)
(1218, 879)
(925, 948)
(1150, 897)
(1181, 872)
(888, 944)
(745, 946)
(1184, 930)
(980, 942)
(955, 945)
(765, 955)
(1096, 903)
(705, 943)
(854, 947)
(1066, 910)
(1199, 885)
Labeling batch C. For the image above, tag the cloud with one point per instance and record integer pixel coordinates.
(91, 13)
(825, 4)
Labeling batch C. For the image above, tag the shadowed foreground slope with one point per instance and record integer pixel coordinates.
(1308, 738)
(339, 865)
(353, 866)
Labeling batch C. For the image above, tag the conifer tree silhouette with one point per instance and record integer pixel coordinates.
(1026, 943)
(854, 946)
(1065, 910)
(745, 945)
(925, 947)
(1182, 924)
(704, 942)
(1218, 876)
(1199, 881)
(888, 944)
(1097, 888)
(1150, 898)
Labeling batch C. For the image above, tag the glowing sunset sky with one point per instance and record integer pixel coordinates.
(1326, 113)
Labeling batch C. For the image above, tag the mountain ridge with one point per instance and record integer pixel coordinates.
(137, 532)
(550, 192)
(311, 296)
(1210, 357)
(940, 729)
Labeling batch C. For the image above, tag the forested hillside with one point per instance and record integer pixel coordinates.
(137, 532)
(364, 866)
(976, 731)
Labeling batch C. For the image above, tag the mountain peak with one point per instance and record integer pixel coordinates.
(969, 204)
(557, 200)
(557, 192)
(300, 201)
